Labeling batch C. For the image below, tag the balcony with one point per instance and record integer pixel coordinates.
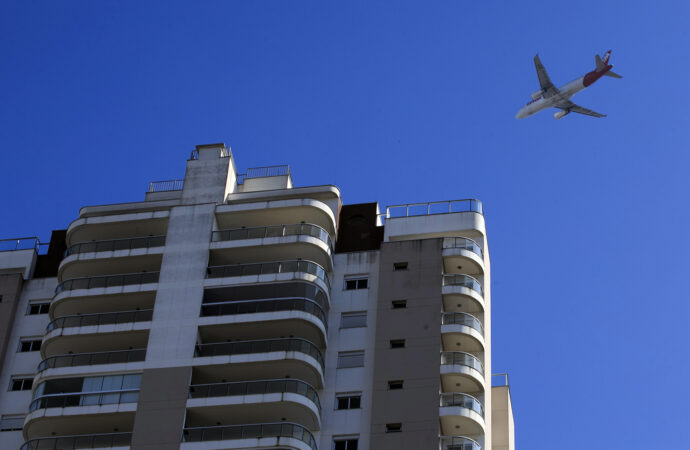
(462, 293)
(458, 443)
(109, 318)
(461, 332)
(105, 224)
(462, 255)
(59, 365)
(461, 413)
(74, 303)
(302, 240)
(263, 435)
(105, 285)
(268, 272)
(80, 441)
(462, 372)
(434, 218)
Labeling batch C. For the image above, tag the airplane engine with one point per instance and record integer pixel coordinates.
(536, 95)
(560, 114)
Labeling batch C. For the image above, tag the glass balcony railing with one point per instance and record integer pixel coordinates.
(240, 270)
(465, 319)
(463, 280)
(462, 359)
(298, 229)
(110, 318)
(260, 346)
(255, 387)
(84, 399)
(91, 359)
(431, 208)
(81, 441)
(459, 443)
(107, 281)
(116, 244)
(234, 307)
(464, 243)
(253, 431)
(463, 401)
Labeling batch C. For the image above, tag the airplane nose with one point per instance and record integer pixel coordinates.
(519, 115)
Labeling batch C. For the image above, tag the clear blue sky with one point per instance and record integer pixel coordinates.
(401, 102)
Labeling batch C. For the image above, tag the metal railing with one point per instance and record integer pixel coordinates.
(240, 270)
(235, 307)
(463, 401)
(251, 431)
(462, 359)
(81, 441)
(91, 359)
(458, 318)
(116, 244)
(109, 318)
(502, 380)
(432, 208)
(107, 281)
(463, 280)
(167, 185)
(459, 443)
(85, 399)
(26, 243)
(298, 229)
(278, 386)
(464, 243)
(260, 346)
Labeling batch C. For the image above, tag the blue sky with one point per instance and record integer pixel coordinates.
(401, 102)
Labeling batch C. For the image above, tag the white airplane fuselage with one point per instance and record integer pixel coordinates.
(565, 92)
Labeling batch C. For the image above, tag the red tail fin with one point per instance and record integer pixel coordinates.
(606, 57)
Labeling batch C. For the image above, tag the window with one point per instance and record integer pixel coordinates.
(11, 423)
(393, 427)
(400, 266)
(29, 345)
(397, 343)
(21, 384)
(38, 308)
(395, 384)
(350, 359)
(356, 283)
(348, 401)
(353, 319)
(399, 304)
(345, 444)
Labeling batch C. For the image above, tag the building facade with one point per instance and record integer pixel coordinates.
(237, 311)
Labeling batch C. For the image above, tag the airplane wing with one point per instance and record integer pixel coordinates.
(572, 107)
(544, 81)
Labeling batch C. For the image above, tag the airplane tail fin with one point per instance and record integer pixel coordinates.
(602, 62)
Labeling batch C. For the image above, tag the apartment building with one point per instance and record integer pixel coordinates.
(237, 311)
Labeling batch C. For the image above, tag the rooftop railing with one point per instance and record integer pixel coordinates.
(263, 172)
(464, 243)
(462, 359)
(85, 399)
(260, 346)
(240, 270)
(463, 401)
(109, 318)
(459, 443)
(458, 318)
(81, 441)
(116, 244)
(91, 359)
(165, 186)
(252, 431)
(26, 243)
(463, 280)
(107, 281)
(235, 307)
(298, 229)
(432, 208)
(279, 386)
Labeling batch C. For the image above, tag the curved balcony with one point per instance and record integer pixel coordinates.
(116, 245)
(91, 359)
(461, 371)
(461, 412)
(121, 281)
(82, 441)
(461, 332)
(462, 255)
(269, 272)
(459, 443)
(263, 435)
(462, 293)
(116, 226)
(256, 401)
(109, 318)
(270, 243)
(84, 399)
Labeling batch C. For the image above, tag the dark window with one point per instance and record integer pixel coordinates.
(397, 343)
(400, 266)
(395, 384)
(356, 283)
(21, 384)
(345, 444)
(350, 359)
(353, 319)
(29, 345)
(348, 401)
(393, 427)
(399, 304)
(11, 423)
(38, 308)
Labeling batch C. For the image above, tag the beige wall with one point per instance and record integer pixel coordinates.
(502, 427)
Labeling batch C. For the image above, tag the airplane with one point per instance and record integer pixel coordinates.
(551, 97)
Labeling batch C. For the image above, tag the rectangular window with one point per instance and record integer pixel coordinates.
(21, 384)
(29, 345)
(397, 343)
(38, 308)
(350, 359)
(399, 304)
(395, 384)
(348, 401)
(345, 444)
(356, 283)
(11, 423)
(400, 266)
(353, 319)
(393, 427)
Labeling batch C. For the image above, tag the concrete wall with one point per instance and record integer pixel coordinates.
(503, 426)
(10, 290)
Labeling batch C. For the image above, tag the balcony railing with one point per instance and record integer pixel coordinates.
(431, 208)
(463, 280)
(462, 359)
(459, 443)
(263, 172)
(107, 281)
(253, 431)
(235, 307)
(240, 270)
(464, 243)
(260, 346)
(298, 229)
(85, 399)
(167, 185)
(463, 401)
(457, 318)
(255, 387)
(90, 359)
(27, 243)
(108, 318)
(116, 244)
(80, 441)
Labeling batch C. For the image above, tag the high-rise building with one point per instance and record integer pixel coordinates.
(237, 311)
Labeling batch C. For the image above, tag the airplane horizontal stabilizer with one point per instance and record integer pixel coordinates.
(612, 74)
